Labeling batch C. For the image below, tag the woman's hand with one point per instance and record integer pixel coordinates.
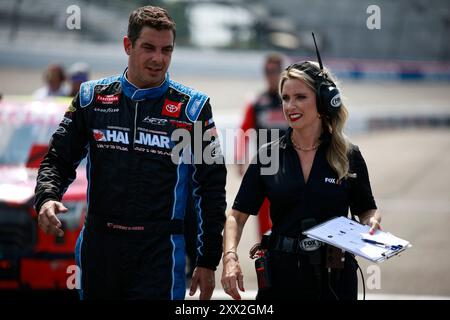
(374, 224)
(231, 275)
(372, 218)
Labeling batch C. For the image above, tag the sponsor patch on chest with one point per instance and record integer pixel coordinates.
(111, 136)
(152, 140)
(108, 98)
(171, 108)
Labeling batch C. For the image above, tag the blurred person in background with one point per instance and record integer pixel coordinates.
(54, 77)
(264, 112)
(77, 74)
(321, 175)
(132, 244)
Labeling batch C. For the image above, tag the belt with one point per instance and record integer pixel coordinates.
(175, 226)
(292, 245)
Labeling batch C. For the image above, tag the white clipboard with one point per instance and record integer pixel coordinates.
(351, 236)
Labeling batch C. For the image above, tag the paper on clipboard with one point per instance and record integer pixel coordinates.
(348, 235)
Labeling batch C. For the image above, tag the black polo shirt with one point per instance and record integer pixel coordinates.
(292, 200)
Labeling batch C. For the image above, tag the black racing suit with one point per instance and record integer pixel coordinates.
(132, 244)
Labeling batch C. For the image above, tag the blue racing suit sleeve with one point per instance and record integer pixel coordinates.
(209, 178)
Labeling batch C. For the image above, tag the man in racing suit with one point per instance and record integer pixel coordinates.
(132, 243)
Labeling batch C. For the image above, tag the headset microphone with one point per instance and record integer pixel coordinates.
(317, 52)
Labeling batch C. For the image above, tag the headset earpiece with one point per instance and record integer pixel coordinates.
(328, 98)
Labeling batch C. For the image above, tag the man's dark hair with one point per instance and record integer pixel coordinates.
(153, 17)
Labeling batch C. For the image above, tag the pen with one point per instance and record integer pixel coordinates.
(392, 247)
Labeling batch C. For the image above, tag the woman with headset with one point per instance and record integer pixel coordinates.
(320, 176)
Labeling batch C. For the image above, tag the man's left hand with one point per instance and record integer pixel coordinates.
(204, 278)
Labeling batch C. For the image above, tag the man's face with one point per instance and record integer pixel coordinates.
(272, 72)
(149, 57)
(54, 79)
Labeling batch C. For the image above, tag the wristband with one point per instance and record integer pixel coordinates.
(228, 252)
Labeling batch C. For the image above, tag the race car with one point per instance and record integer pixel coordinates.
(29, 258)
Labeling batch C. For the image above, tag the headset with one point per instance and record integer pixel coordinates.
(328, 96)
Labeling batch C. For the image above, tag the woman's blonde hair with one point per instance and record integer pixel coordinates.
(337, 152)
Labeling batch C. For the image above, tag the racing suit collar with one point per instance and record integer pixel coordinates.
(134, 93)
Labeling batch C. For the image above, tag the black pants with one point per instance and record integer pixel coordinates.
(115, 265)
(294, 278)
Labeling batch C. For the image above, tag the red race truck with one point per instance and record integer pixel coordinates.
(30, 259)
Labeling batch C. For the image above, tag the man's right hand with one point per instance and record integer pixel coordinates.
(47, 220)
